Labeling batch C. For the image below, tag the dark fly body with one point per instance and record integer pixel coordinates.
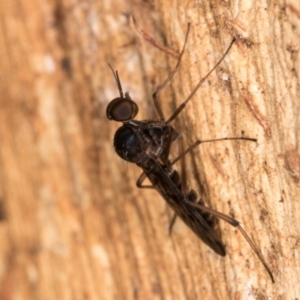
(147, 143)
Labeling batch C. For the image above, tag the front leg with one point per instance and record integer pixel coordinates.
(140, 181)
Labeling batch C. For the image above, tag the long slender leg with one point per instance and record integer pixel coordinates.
(140, 180)
(219, 215)
(236, 224)
(182, 105)
(161, 86)
(198, 142)
(173, 220)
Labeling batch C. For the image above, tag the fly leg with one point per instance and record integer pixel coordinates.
(140, 181)
(233, 222)
(219, 215)
(213, 212)
(173, 220)
(183, 104)
(198, 142)
(161, 86)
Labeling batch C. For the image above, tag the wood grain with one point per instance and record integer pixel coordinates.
(73, 225)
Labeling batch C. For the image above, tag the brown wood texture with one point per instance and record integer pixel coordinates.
(73, 225)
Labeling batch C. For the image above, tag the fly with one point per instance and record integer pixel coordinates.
(147, 143)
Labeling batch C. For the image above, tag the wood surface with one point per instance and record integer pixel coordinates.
(73, 225)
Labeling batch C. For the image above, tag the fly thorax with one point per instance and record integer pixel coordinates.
(127, 144)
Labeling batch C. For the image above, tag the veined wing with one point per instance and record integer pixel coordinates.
(193, 217)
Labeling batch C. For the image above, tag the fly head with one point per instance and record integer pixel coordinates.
(122, 108)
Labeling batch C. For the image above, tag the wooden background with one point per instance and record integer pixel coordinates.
(72, 223)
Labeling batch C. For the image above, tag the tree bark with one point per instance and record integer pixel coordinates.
(73, 225)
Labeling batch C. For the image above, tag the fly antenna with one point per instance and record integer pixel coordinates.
(116, 75)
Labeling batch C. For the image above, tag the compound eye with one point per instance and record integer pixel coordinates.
(121, 109)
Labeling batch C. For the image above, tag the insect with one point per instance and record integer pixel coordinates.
(147, 143)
